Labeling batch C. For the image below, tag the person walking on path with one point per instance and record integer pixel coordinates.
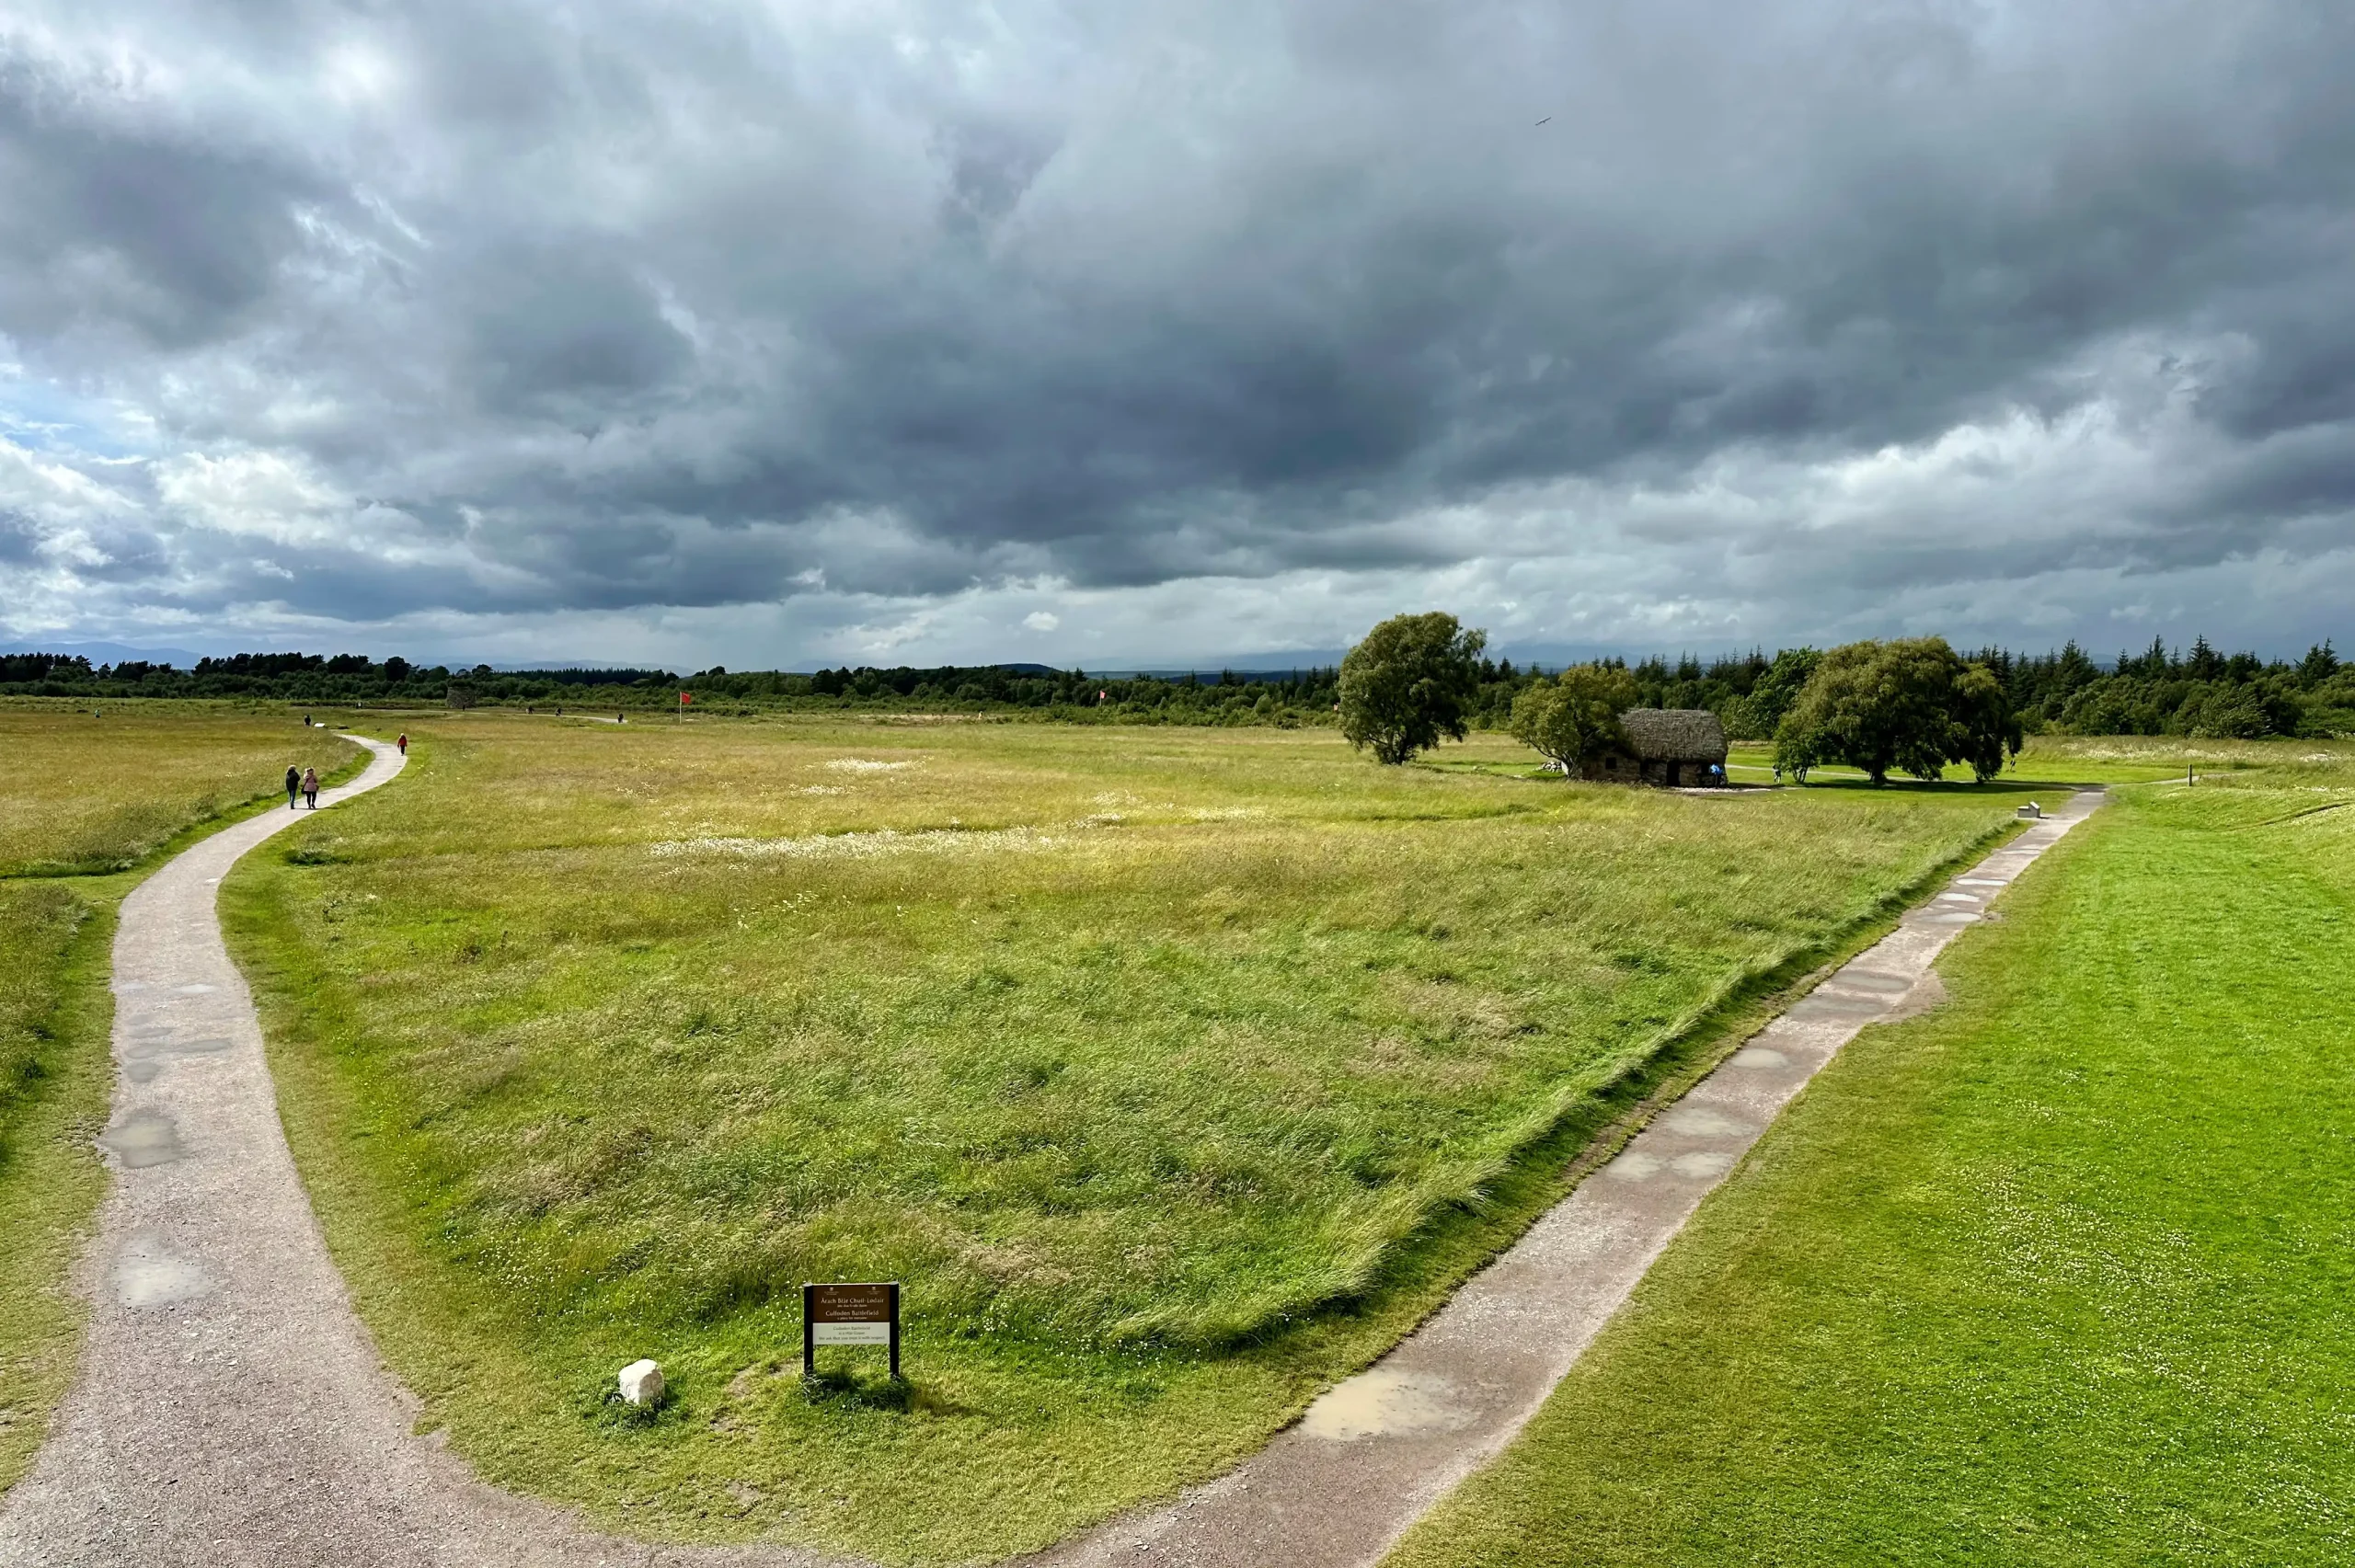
(294, 785)
(311, 788)
(402, 743)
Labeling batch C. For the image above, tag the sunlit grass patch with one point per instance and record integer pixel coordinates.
(2056, 1274)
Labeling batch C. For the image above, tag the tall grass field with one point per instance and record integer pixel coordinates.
(2056, 1274)
(1174, 1073)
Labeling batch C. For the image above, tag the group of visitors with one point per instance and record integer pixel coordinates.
(303, 784)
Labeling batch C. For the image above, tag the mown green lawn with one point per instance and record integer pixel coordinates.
(87, 806)
(2059, 1274)
(1175, 1074)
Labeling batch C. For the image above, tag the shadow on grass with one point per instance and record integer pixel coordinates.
(836, 1388)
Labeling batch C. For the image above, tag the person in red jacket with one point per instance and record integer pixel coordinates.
(402, 743)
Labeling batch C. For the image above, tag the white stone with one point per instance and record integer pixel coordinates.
(641, 1382)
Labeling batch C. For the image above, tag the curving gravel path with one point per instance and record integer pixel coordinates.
(230, 1410)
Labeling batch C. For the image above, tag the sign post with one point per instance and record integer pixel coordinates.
(849, 1315)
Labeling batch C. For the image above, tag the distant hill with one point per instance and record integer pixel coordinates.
(108, 653)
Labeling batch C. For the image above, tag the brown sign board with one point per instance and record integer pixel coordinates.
(851, 1303)
(849, 1315)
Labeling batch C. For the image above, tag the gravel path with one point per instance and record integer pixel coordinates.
(230, 1410)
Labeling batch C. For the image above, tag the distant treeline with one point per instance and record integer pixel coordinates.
(2157, 691)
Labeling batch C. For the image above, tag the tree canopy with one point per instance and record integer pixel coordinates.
(1911, 703)
(1411, 681)
(1574, 718)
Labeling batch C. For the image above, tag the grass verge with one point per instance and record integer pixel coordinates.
(54, 1075)
(2055, 1274)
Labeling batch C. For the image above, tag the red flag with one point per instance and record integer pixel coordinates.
(684, 698)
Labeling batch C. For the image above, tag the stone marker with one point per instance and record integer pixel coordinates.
(2031, 809)
(641, 1382)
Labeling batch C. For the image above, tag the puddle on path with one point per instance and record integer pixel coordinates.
(1633, 1165)
(148, 1274)
(1696, 1121)
(1641, 1165)
(145, 1051)
(1758, 1057)
(144, 1139)
(1928, 992)
(1877, 981)
(1383, 1403)
(1835, 1000)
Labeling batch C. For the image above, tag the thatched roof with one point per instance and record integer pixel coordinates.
(1674, 735)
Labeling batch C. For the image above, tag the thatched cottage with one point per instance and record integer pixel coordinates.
(1665, 745)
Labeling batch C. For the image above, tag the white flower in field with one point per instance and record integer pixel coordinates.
(866, 765)
(865, 846)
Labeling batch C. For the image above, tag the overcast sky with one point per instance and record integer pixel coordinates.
(886, 331)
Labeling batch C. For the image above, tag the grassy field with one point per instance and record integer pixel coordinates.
(2056, 1274)
(86, 806)
(82, 795)
(1175, 1072)
(2093, 759)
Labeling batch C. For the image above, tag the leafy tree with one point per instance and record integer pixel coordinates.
(1760, 712)
(1987, 727)
(1574, 718)
(1911, 703)
(1408, 683)
(2227, 713)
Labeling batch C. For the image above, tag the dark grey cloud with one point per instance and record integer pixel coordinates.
(1789, 318)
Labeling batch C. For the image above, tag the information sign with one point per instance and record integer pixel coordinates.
(849, 1315)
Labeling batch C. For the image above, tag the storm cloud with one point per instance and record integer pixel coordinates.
(784, 332)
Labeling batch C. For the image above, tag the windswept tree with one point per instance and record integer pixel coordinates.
(1911, 703)
(1756, 715)
(1574, 718)
(1408, 683)
(1988, 727)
